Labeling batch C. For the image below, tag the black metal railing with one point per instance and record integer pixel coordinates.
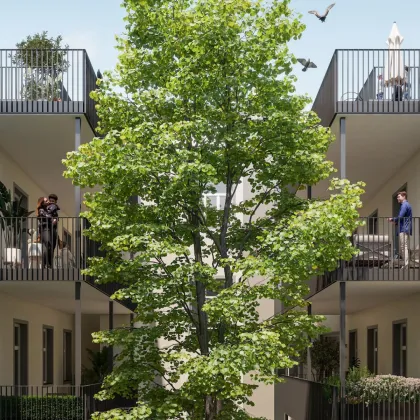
(47, 81)
(383, 252)
(44, 249)
(370, 81)
(380, 397)
(302, 399)
(55, 402)
(39, 249)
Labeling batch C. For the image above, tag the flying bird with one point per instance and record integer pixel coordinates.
(307, 64)
(324, 16)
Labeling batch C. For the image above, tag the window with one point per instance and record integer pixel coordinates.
(20, 353)
(20, 195)
(67, 357)
(134, 199)
(47, 355)
(372, 348)
(67, 238)
(399, 338)
(373, 223)
(352, 348)
(216, 199)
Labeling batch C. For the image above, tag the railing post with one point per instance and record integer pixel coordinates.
(335, 80)
(77, 198)
(342, 148)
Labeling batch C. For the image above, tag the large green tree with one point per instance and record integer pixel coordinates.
(203, 96)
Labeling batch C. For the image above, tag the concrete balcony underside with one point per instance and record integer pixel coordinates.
(61, 296)
(361, 295)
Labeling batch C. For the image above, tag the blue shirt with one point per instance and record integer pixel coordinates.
(404, 218)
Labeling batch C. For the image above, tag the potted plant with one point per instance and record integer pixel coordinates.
(43, 60)
(12, 219)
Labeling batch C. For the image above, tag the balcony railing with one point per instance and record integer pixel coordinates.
(47, 81)
(382, 254)
(34, 249)
(369, 81)
(55, 402)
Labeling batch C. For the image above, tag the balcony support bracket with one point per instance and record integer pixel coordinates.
(342, 148)
(342, 348)
(78, 334)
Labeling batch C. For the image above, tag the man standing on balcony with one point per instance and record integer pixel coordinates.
(404, 226)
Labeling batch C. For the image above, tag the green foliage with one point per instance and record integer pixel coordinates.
(203, 96)
(12, 217)
(43, 61)
(354, 377)
(355, 374)
(325, 357)
(355, 362)
(99, 361)
(370, 389)
(42, 408)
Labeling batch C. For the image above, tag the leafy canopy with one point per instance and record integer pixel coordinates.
(42, 60)
(202, 96)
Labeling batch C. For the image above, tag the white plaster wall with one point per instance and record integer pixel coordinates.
(90, 324)
(383, 316)
(409, 173)
(36, 316)
(10, 173)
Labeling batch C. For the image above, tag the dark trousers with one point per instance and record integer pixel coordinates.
(49, 241)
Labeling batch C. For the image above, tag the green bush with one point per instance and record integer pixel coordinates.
(9, 408)
(364, 387)
(50, 407)
(383, 388)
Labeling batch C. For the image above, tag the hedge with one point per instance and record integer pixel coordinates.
(50, 407)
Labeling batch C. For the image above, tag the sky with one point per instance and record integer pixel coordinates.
(93, 24)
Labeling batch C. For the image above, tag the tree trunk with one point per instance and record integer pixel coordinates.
(200, 294)
(213, 407)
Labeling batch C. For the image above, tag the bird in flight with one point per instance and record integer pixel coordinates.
(324, 16)
(307, 64)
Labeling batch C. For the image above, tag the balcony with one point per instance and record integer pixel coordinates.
(369, 82)
(378, 274)
(379, 256)
(47, 82)
(25, 257)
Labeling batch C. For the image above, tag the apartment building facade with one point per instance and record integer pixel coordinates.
(370, 100)
(48, 309)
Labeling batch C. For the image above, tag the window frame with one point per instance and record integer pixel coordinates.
(399, 349)
(47, 355)
(67, 376)
(372, 348)
(356, 350)
(374, 218)
(23, 352)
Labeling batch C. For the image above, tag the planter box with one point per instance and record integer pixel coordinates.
(12, 256)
